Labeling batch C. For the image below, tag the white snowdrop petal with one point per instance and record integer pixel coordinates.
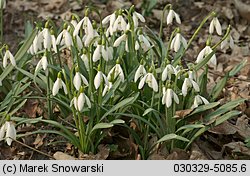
(168, 98)
(176, 99)
(84, 80)
(87, 101)
(56, 87)
(204, 100)
(184, 87)
(78, 27)
(106, 19)
(10, 133)
(80, 101)
(163, 100)
(195, 86)
(77, 81)
(46, 38)
(97, 53)
(140, 17)
(68, 39)
(164, 74)
(119, 40)
(105, 79)
(211, 27)
(170, 16)
(218, 26)
(177, 42)
(142, 82)
(64, 88)
(79, 42)
(177, 18)
(2, 131)
(200, 56)
(154, 84)
(97, 80)
(59, 38)
(5, 60)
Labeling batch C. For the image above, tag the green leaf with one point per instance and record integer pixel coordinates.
(237, 68)
(226, 116)
(117, 121)
(172, 136)
(18, 107)
(223, 109)
(121, 104)
(218, 88)
(102, 126)
(203, 108)
(190, 126)
(149, 110)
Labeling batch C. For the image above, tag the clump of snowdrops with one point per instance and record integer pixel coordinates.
(120, 69)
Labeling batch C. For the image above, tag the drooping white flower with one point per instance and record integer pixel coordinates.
(81, 100)
(99, 78)
(168, 71)
(199, 100)
(116, 71)
(168, 95)
(140, 72)
(64, 38)
(86, 24)
(9, 56)
(171, 16)
(203, 53)
(144, 42)
(215, 24)
(74, 102)
(137, 16)
(43, 63)
(8, 130)
(85, 60)
(227, 42)
(189, 83)
(111, 19)
(47, 40)
(119, 24)
(150, 80)
(120, 39)
(177, 41)
(58, 85)
(79, 43)
(37, 42)
(53, 40)
(102, 51)
(78, 79)
(107, 88)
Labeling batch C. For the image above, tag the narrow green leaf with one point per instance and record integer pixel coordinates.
(237, 68)
(101, 126)
(218, 88)
(121, 104)
(190, 126)
(117, 121)
(203, 108)
(172, 136)
(226, 116)
(223, 109)
(18, 107)
(149, 110)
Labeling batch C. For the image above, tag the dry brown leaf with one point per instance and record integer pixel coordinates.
(225, 128)
(237, 148)
(243, 8)
(196, 153)
(63, 156)
(178, 154)
(30, 107)
(243, 127)
(182, 113)
(39, 140)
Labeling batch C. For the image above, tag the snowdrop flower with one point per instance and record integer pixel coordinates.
(53, 40)
(168, 95)
(227, 42)
(2, 4)
(58, 85)
(203, 53)
(215, 24)
(43, 63)
(64, 38)
(107, 88)
(177, 41)
(85, 60)
(145, 45)
(86, 24)
(115, 72)
(188, 83)
(99, 78)
(120, 39)
(101, 51)
(74, 102)
(9, 56)
(37, 42)
(140, 72)
(150, 80)
(137, 16)
(171, 16)
(78, 79)
(81, 100)
(47, 40)
(199, 100)
(167, 72)
(8, 130)
(119, 24)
